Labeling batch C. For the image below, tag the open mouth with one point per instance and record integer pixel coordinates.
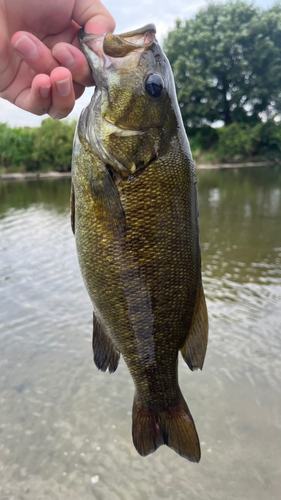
(118, 45)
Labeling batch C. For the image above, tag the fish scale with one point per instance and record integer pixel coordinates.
(135, 218)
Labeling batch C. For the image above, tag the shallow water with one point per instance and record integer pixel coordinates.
(65, 427)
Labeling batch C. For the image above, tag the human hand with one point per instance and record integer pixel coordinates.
(42, 69)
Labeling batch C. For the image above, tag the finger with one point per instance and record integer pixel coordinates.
(93, 16)
(8, 60)
(36, 99)
(63, 97)
(68, 36)
(33, 52)
(73, 59)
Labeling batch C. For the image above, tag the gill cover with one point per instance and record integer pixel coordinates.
(134, 90)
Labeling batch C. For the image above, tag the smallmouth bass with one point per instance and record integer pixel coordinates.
(135, 218)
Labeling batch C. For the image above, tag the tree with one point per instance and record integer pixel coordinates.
(227, 63)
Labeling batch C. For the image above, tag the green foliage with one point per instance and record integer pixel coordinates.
(48, 147)
(53, 145)
(227, 64)
(202, 138)
(238, 140)
(16, 147)
(270, 140)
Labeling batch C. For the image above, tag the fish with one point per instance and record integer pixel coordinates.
(134, 214)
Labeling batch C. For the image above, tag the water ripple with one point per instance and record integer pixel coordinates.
(65, 428)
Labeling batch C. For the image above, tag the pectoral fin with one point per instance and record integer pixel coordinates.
(106, 356)
(104, 192)
(194, 349)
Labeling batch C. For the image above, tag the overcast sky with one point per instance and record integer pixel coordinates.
(128, 15)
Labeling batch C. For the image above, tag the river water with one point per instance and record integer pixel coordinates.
(65, 427)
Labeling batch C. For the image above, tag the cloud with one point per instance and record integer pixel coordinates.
(128, 15)
(131, 15)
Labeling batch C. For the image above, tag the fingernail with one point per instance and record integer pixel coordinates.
(45, 91)
(64, 87)
(57, 116)
(26, 47)
(64, 57)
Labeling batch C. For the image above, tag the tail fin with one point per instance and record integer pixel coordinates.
(172, 426)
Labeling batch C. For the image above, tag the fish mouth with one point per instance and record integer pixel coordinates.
(118, 45)
(129, 34)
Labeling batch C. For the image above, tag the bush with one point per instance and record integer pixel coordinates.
(270, 140)
(202, 139)
(53, 145)
(16, 147)
(238, 141)
(48, 147)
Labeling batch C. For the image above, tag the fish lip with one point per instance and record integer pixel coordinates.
(140, 31)
(83, 36)
(128, 40)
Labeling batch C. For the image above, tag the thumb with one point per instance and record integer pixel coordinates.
(93, 16)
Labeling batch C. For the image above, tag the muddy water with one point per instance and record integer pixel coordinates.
(65, 428)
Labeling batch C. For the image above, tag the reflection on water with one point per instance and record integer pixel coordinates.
(241, 247)
(65, 427)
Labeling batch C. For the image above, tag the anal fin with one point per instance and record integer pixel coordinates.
(106, 356)
(194, 349)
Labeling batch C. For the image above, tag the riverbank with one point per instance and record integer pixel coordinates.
(33, 176)
(234, 165)
(58, 175)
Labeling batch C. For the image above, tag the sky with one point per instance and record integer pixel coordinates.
(129, 15)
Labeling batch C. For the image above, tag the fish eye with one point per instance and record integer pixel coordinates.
(154, 85)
